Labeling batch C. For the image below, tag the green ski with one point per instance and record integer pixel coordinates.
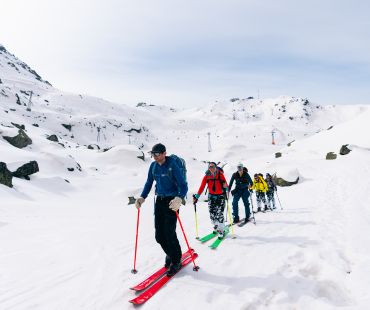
(217, 242)
(208, 237)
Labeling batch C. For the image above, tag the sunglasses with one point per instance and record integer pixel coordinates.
(211, 166)
(156, 154)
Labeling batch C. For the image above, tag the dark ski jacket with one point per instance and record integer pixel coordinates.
(169, 180)
(271, 185)
(241, 182)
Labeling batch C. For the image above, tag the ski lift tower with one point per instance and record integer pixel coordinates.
(129, 138)
(30, 101)
(98, 136)
(273, 136)
(209, 142)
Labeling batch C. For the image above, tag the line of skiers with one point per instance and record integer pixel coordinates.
(169, 173)
(218, 190)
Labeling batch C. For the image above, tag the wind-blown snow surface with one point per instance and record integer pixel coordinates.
(69, 245)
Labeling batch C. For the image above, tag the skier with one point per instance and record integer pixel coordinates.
(261, 188)
(270, 192)
(243, 183)
(217, 190)
(171, 188)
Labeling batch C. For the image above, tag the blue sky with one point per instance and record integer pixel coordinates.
(188, 53)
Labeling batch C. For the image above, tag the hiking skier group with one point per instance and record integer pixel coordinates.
(169, 173)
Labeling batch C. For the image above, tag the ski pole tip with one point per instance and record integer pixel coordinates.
(134, 271)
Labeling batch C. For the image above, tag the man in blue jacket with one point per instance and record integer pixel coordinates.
(243, 182)
(171, 189)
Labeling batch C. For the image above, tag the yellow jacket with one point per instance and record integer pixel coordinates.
(260, 185)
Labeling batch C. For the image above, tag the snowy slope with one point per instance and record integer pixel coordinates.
(69, 245)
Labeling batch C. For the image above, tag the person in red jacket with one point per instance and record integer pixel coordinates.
(217, 191)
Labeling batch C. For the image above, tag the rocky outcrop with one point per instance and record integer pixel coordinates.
(344, 150)
(20, 141)
(93, 147)
(67, 126)
(5, 175)
(18, 126)
(133, 129)
(281, 182)
(142, 157)
(331, 156)
(53, 138)
(278, 154)
(26, 170)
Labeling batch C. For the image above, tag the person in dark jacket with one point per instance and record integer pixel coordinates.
(171, 189)
(270, 192)
(243, 183)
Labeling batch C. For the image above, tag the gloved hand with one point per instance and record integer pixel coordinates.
(175, 204)
(195, 198)
(139, 202)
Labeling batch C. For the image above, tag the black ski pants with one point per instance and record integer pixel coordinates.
(165, 221)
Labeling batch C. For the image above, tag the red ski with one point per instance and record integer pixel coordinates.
(155, 276)
(146, 295)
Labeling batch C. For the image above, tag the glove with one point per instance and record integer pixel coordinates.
(139, 202)
(175, 204)
(195, 198)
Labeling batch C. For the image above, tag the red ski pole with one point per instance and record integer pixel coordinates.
(195, 268)
(137, 235)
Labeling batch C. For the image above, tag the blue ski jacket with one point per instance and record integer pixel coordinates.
(169, 180)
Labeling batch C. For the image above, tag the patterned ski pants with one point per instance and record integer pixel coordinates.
(216, 207)
(271, 199)
(261, 197)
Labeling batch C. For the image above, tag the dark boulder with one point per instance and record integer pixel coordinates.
(67, 126)
(344, 150)
(20, 141)
(142, 157)
(26, 170)
(53, 138)
(5, 175)
(281, 182)
(331, 156)
(278, 154)
(93, 147)
(18, 126)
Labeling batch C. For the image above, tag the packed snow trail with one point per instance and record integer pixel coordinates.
(310, 255)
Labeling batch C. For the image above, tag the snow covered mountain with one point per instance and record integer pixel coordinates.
(67, 233)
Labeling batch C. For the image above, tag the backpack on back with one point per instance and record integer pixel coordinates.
(220, 171)
(181, 164)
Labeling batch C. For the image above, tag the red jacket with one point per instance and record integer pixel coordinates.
(215, 183)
